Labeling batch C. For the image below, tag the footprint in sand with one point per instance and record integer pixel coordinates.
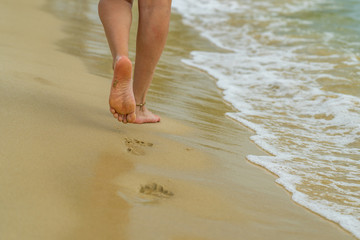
(149, 193)
(155, 189)
(136, 146)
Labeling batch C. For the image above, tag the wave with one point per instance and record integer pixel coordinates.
(272, 74)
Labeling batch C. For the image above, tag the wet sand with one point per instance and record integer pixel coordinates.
(68, 170)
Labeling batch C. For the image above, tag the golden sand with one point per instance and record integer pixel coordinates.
(68, 170)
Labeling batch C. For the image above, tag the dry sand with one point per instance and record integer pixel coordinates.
(68, 170)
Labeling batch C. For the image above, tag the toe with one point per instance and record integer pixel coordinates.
(120, 118)
(124, 120)
(112, 111)
(131, 117)
(116, 115)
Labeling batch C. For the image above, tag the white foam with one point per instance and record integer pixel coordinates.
(270, 78)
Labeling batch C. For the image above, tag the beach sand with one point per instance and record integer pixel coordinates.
(68, 170)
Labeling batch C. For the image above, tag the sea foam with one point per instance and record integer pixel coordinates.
(271, 76)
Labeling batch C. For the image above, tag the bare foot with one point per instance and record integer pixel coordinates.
(143, 115)
(121, 100)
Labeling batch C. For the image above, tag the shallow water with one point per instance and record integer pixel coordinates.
(293, 74)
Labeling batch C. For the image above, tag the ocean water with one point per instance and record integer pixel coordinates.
(291, 69)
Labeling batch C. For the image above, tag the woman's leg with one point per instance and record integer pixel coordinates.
(116, 17)
(154, 17)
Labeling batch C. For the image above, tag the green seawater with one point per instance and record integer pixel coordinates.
(334, 31)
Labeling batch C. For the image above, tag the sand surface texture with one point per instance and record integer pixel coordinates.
(68, 170)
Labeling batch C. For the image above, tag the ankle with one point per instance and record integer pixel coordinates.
(139, 98)
(140, 106)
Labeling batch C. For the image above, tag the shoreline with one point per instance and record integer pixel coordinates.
(68, 173)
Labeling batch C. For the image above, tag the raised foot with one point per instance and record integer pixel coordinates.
(143, 115)
(121, 100)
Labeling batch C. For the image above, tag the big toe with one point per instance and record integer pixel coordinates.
(131, 117)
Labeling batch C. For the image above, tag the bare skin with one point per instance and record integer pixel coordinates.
(127, 97)
(121, 100)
